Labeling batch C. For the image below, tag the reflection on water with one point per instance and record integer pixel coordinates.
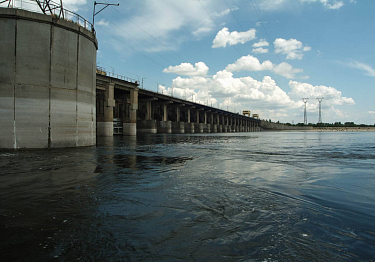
(205, 197)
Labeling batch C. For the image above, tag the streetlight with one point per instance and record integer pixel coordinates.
(94, 14)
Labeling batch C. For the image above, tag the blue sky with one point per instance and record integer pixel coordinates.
(259, 55)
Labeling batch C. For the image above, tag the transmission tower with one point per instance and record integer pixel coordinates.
(48, 7)
(305, 113)
(320, 99)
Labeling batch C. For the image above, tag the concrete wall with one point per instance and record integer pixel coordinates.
(47, 82)
(273, 126)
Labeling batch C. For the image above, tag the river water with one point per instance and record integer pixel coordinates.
(267, 196)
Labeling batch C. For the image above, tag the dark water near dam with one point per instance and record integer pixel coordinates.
(268, 196)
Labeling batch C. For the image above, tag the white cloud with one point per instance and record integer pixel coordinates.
(331, 95)
(292, 48)
(249, 63)
(273, 5)
(74, 5)
(224, 37)
(328, 4)
(371, 112)
(368, 70)
(286, 70)
(261, 43)
(161, 25)
(259, 50)
(103, 22)
(200, 69)
(264, 97)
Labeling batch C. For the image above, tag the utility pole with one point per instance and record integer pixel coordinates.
(305, 113)
(105, 6)
(320, 109)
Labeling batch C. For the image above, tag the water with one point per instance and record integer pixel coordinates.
(277, 196)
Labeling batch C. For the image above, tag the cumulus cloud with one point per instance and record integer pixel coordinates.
(249, 63)
(286, 70)
(259, 50)
(261, 43)
(331, 95)
(224, 37)
(292, 48)
(200, 69)
(264, 97)
(103, 22)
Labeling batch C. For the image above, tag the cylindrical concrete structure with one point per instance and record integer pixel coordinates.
(47, 81)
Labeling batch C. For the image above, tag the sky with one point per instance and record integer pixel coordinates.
(257, 55)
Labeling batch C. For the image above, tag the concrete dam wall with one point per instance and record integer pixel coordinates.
(274, 126)
(47, 82)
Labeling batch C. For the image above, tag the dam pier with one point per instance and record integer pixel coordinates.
(124, 108)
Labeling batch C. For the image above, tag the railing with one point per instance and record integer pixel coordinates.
(102, 71)
(48, 8)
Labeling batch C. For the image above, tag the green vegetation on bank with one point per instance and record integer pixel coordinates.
(336, 124)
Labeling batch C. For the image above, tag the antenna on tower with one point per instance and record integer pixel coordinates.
(305, 113)
(320, 99)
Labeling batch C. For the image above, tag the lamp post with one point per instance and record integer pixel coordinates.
(94, 14)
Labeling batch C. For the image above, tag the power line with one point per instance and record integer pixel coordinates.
(132, 48)
(151, 36)
(135, 39)
(260, 58)
(262, 23)
(226, 36)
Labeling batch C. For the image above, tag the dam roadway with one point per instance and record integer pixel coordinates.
(122, 107)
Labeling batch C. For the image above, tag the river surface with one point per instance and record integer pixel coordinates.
(267, 196)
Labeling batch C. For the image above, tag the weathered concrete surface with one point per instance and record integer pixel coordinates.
(214, 128)
(129, 129)
(178, 127)
(164, 127)
(147, 126)
(206, 128)
(189, 128)
(47, 82)
(264, 125)
(198, 128)
(104, 129)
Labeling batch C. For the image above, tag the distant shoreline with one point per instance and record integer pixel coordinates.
(343, 129)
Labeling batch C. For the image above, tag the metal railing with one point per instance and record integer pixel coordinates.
(102, 71)
(54, 9)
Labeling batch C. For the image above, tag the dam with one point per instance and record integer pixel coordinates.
(52, 95)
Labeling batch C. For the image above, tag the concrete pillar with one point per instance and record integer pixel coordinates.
(188, 116)
(148, 110)
(189, 128)
(105, 123)
(178, 114)
(164, 126)
(165, 112)
(129, 124)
